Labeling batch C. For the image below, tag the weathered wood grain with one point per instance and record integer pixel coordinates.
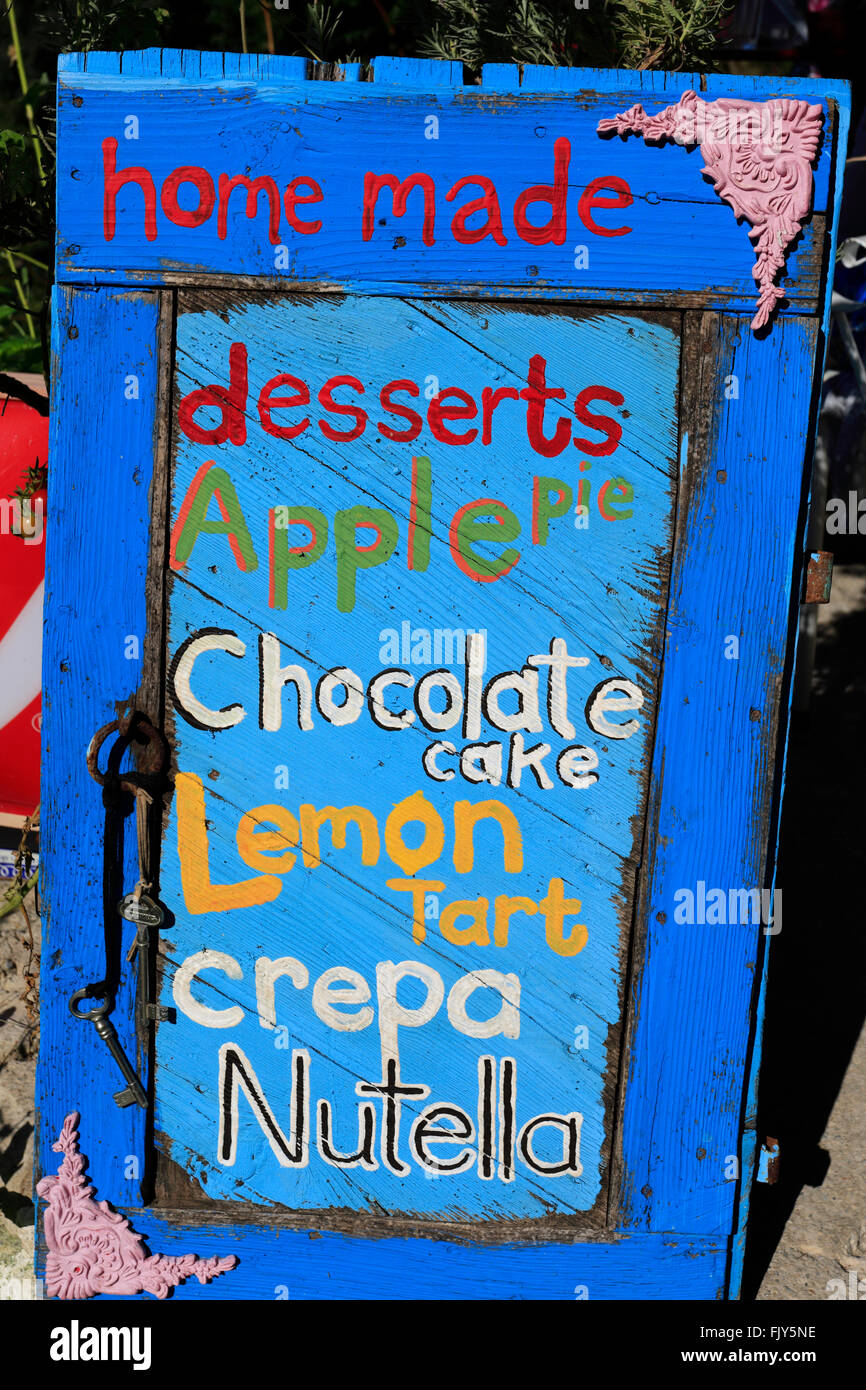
(714, 771)
(314, 1265)
(603, 589)
(104, 344)
(693, 995)
(682, 240)
(151, 695)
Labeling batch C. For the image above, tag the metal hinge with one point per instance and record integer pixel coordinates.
(160, 1013)
(818, 577)
(768, 1162)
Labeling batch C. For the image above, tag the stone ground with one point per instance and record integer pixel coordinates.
(809, 1229)
(18, 1046)
(822, 1253)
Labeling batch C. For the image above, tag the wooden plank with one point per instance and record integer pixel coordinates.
(189, 64)
(682, 241)
(104, 391)
(841, 122)
(429, 73)
(312, 1265)
(714, 767)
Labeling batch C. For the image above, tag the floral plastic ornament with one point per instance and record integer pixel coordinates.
(93, 1250)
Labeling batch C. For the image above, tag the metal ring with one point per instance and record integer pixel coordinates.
(93, 751)
(150, 762)
(153, 759)
(89, 1014)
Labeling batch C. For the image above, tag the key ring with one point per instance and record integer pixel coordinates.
(135, 728)
(90, 1014)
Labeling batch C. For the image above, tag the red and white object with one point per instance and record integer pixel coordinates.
(23, 441)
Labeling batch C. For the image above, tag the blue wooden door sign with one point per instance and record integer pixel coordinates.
(449, 427)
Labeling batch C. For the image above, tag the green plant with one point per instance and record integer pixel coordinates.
(27, 163)
(670, 34)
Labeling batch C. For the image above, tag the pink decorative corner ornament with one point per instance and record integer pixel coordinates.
(759, 156)
(92, 1249)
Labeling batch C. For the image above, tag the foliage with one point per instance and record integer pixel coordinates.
(319, 34)
(24, 210)
(34, 481)
(82, 25)
(669, 34)
(19, 351)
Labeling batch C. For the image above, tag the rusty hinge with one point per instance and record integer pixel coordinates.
(768, 1162)
(818, 577)
(160, 1013)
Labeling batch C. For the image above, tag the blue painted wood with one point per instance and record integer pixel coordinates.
(598, 587)
(713, 779)
(140, 63)
(93, 61)
(695, 1196)
(684, 241)
(101, 460)
(734, 564)
(750, 1137)
(316, 1265)
(189, 64)
(430, 73)
(500, 77)
(214, 65)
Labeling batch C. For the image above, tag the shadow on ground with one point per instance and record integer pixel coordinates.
(816, 1000)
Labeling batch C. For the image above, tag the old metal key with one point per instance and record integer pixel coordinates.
(134, 1092)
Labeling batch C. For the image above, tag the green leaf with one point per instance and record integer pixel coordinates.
(20, 355)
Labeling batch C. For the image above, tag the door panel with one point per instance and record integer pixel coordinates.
(398, 972)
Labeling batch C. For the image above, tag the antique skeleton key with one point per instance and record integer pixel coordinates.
(140, 908)
(136, 907)
(134, 1092)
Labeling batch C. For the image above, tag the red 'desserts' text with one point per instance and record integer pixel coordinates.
(289, 211)
(285, 410)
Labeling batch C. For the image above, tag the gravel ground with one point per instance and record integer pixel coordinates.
(809, 1230)
(807, 1235)
(18, 1046)
(822, 1252)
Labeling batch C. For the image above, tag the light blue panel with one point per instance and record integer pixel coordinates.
(601, 589)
